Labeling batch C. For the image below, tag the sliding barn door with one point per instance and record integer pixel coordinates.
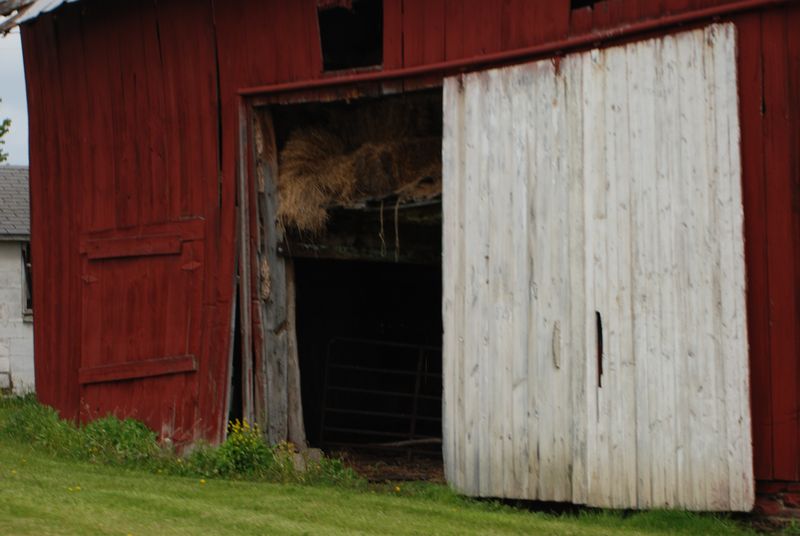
(595, 332)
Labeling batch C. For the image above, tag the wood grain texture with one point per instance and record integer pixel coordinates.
(609, 209)
(780, 221)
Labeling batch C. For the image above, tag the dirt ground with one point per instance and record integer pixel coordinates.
(377, 466)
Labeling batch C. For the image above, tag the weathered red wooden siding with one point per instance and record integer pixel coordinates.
(129, 127)
(124, 143)
(769, 78)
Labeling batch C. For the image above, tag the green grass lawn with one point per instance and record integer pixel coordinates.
(43, 495)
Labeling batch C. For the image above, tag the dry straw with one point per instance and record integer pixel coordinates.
(367, 152)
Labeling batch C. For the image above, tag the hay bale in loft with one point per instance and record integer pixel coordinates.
(373, 153)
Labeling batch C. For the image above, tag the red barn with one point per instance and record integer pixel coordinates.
(578, 217)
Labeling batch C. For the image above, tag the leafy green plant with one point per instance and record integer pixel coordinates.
(30, 422)
(792, 527)
(244, 452)
(5, 126)
(111, 440)
(244, 455)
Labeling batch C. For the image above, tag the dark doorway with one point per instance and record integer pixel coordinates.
(359, 214)
(369, 340)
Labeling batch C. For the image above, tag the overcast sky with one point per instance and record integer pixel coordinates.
(12, 93)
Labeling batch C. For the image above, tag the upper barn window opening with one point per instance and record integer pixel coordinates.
(578, 4)
(351, 33)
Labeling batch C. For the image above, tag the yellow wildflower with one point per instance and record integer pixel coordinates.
(397, 489)
(202, 481)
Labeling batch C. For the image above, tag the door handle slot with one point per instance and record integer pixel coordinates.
(599, 339)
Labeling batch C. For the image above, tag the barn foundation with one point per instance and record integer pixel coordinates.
(778, 500)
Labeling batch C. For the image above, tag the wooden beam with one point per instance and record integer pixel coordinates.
(133, 370)
(391, 233)
(132, 247)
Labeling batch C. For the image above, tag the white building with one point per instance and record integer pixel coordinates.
(16, 314)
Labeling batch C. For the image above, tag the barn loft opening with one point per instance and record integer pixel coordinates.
(359, 210)
(351, 33)
(578, 4)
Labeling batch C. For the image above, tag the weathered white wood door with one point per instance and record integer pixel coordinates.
(595, 345)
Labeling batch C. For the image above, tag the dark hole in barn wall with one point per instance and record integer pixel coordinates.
(235, 404)
(351, 33)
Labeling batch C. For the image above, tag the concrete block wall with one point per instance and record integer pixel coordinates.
(16, 332)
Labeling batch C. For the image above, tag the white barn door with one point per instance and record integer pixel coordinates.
(595, 346)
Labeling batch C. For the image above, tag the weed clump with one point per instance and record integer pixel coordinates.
(244, 455)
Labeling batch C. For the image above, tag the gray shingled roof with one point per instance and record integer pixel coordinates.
(15, 213)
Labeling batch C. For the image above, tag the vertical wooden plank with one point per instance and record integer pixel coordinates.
(592, 111)
(274, 306)
(719, 250)
(672, 157)
(461, 296)
(560, 333)
(780, 250)
(675, 6)
(573, 334)
(598, 464)
(451, 181)
(480, 27)
(296, 430)
(608, 14)
(454, 29)
(532, 125)
(650, 8)
(663, 421)
(497, 278)
(630, 11)
(640, 73)
(245, 267)
(580, 21)
(472, 258)
(483, 238)
(392, 34)
(526, 23)
(544, 208)
(551, 283)
(737, 449)
(620, 342)
(601, 16)
(38, 42)
(750, 86)
(693, 192)
(793, 20)
(423, 32)
(521, 82)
